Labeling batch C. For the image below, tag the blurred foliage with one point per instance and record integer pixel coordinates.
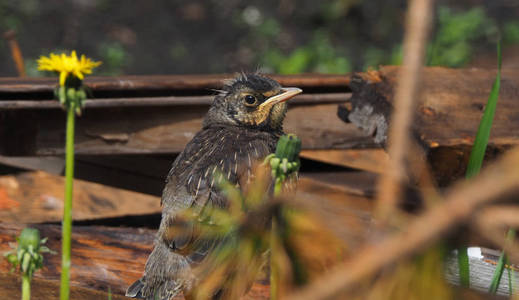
(453, 44)
(319, 55)
(455, 40)
(242, 238)
(421, 277)
(333, 36)
(114, 58)
(511, 32)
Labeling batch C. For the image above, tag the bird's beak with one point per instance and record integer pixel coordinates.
(287, 93)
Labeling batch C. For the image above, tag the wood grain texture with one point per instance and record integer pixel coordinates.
(450, 105)
(163, 82)
(159, 101)
(449, 109)
(372, 160)
(147, 130)
(35, 197)
(105, 257)
(102, 257)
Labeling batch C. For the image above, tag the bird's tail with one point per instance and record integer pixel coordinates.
(166, 275)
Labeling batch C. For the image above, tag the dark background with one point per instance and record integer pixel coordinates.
(219, 36)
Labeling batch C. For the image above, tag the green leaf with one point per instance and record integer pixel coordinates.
(498, 273)
(478, 154)
(464, 267)
(480, 144)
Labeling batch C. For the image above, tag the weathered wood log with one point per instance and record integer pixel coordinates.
(449, 110)
(159, 101)
(35, 197)
(372, 160)
(156, 114)
(147, 130)
(13, 85)
(104, 257)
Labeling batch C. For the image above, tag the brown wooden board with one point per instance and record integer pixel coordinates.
(35, 197)
(147, 130)
(372, 160)
(102, 258)
(448, 113)
(12, 85)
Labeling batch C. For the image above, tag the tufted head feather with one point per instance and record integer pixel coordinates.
(250, 100)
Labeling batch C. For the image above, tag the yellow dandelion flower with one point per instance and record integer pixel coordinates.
(67, 65)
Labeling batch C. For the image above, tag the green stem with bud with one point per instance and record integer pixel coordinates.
(67, 212)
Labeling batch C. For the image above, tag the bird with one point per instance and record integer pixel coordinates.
(242, 126)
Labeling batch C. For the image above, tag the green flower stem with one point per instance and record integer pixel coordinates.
(67, 212)
(26, 287)
(277, 188)
(274, 271)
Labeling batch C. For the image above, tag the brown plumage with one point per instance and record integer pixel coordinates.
(241, 128)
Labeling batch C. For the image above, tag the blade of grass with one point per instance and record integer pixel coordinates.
(498, 273)
(480, 144)
(464, 266)
(512, 279)
(478, 154)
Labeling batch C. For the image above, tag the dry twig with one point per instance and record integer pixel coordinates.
(417, 28)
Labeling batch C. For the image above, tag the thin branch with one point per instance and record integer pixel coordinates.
(417, 28)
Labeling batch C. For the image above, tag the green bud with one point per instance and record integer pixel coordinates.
(77, 109)
(19, 254)
(274, 163)
(288, 147)
(11, 258)
(81, 94)
(71, 94)
(62, 95)
(284, 165)
(30, 237)
(268, 158)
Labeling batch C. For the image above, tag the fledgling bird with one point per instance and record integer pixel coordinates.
(241, 127)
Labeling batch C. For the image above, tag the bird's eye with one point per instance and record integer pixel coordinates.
(250, 100)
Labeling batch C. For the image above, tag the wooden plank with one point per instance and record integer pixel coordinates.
(347, 215)
(450, 106)
(10, 85)
(159, 101)
(146, 130)
(451, 103)
(35, 197)
(105, 257)
(102, 257)
(449, 109)
(372, 160)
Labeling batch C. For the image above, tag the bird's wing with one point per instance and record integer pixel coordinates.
(192, 184)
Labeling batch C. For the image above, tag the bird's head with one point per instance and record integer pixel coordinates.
(251, 100)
